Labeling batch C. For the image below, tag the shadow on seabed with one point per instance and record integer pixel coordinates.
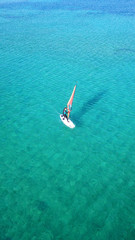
(87, 106)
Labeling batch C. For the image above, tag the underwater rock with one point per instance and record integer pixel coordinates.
(42, 205)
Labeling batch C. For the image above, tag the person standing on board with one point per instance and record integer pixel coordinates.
(66, 113)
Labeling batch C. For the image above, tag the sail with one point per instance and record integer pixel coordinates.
(70, 102)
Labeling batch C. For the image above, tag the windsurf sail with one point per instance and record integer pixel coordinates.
(70, 102)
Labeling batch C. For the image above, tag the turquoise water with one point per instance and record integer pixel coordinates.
(57, 183)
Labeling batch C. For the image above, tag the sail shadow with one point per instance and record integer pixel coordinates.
(88, 105)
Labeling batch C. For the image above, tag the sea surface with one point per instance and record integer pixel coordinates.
(58, 183)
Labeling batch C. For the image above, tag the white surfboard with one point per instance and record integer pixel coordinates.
(68, 123)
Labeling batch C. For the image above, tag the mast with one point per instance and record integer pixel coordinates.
(70, 102)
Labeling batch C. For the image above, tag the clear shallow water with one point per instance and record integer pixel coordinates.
(57, 183)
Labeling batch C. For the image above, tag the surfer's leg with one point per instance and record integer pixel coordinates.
(64, 116)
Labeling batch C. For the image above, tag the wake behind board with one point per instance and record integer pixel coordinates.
(68, 123)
